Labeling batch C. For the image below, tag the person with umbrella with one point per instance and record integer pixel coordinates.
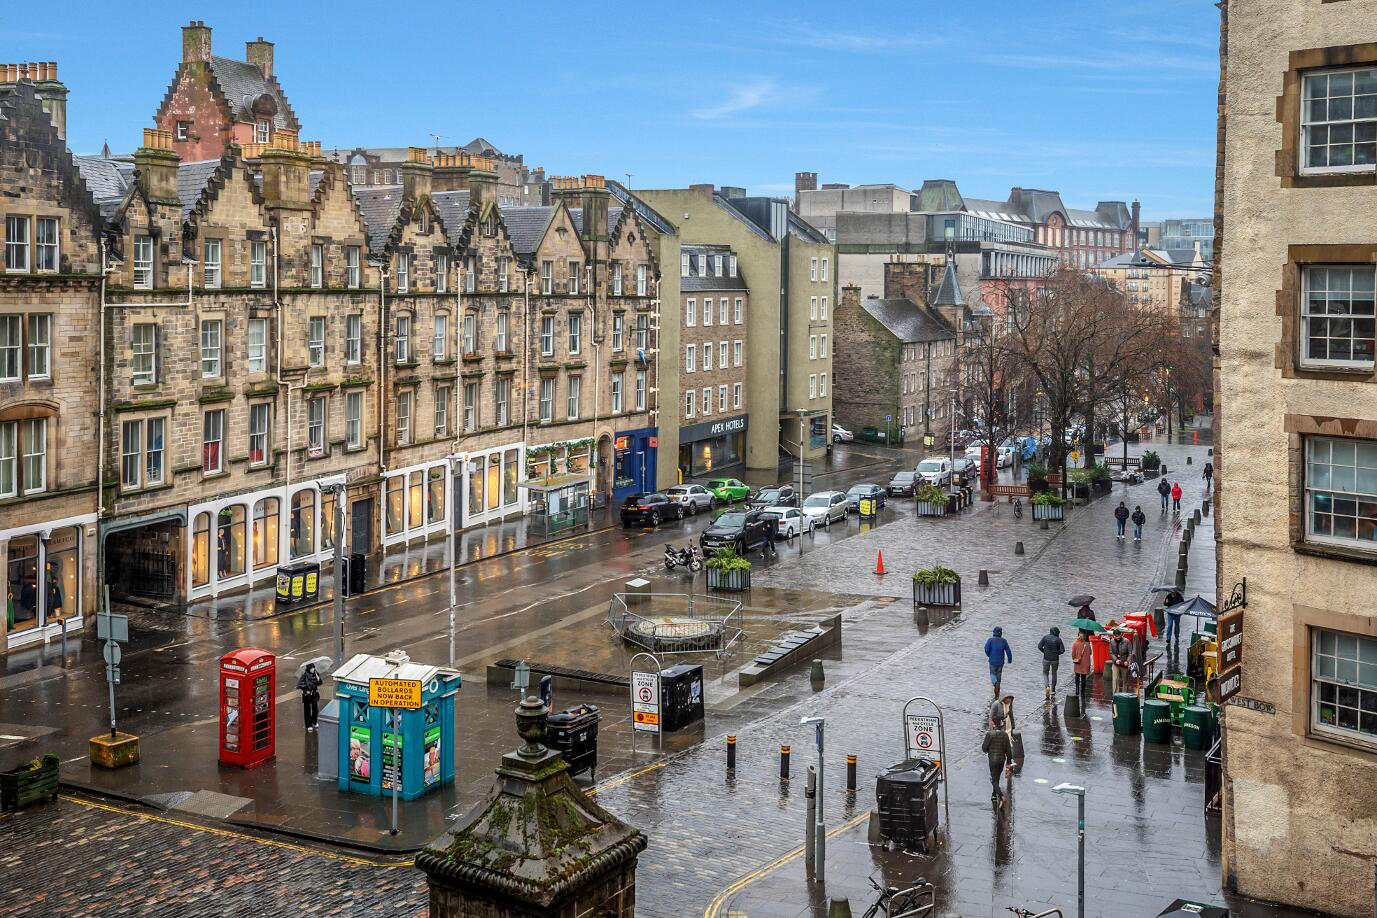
(1082, 661)
(1082, 604)
(1173, 598)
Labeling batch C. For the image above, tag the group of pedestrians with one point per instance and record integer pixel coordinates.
(1122, 517)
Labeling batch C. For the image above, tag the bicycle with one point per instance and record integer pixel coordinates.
(907, 903)
(1025, 913)
(1018, 508)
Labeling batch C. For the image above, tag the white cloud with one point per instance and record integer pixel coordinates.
(742, 98)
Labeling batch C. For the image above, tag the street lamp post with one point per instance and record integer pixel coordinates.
(455, 466)
(819, 830)
(1079, 793)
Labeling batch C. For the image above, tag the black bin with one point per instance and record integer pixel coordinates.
(358, 573)
(298, 583)
(906, 797)
(574, 734)
(681, 696)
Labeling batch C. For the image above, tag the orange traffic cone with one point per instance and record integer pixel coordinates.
(880, 563)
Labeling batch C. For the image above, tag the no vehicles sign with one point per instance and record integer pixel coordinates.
(922, 733)
(645, 702)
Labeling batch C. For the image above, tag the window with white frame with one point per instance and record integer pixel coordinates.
(547, 399)
(812, 269)
(402, 338)
(822, 346)
(259, 415)
(353, 420)
(722, 306)
(736, 316)
(502, 399)
(691, 312)
(616, 278)
(572, 397)
(258, 264)
(722, 355)
(642, 331)
(213, 441)
(504, 265)
(40, 346)
(640, 280)
(257, 345)
(812, 307)
(353, 338)
(315, 341)
(210, 264)
(131, 454)
(153, 451)
(712, 265)
(1339, 121)
(736, 395)
(690, 396)
(9, 458)
(812, 385)
(403, 419)
(683, 264)
(45, 244)
(618, 333)
(358, 175)
(823, 273)
(315, 425)
(721, 398)
(707, 356)
(547, 336)
(1337, 312)
(351, 256)
(1341, 492)
(617, 379)
(441, 272)
(211, 349)
(822, 308)
(439, 341)
(707, 311)
(822, 385)
(812, 347)
(143, 262)
(470, 406)
(470, 274)
(500, 336)
(736, 352)
(690, 358)
(575, 332)
(317, 265)
(574, 271)
(640, 390)
(262, 130)
(706, 404)
(16, 243)
(403, 272)
(143, 347)
(34, 446)
(1343, 685)
(731, 266)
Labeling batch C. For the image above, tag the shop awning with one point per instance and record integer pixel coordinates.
(554, 482)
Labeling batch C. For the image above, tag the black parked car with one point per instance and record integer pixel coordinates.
(856, 492)
(739, 529)
(902, 484)
(782, 496)
(650, 508)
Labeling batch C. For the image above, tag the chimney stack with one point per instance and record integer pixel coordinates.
(803, 181)
(450, 172)
(286, 167)
(259, 52)
(482, 179)
(155, 164)
(416, 173)
(594, 198)
(51, 94)
(195, 42)
(1133, 224)
(704, 188)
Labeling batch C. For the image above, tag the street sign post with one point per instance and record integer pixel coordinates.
(925, 738)
(113, 629)
(645, 700)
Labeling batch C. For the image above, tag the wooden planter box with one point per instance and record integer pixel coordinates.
(1102, 487)
(25, 787)
(1080, 491)
(930, 508)
(1049, 512)
(730, 581)
(936, 594)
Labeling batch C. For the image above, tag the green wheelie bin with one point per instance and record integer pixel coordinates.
(1125, 713)
(1156, 721)
(1196, 726)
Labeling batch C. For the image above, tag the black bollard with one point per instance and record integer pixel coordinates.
(850, 774)
(1018, 548)
(731, 753)
(784, 763)
(1044, 525)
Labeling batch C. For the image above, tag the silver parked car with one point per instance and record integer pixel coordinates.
(789, 521)
(825, 507)
(692, 498)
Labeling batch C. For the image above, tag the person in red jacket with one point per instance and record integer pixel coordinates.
(1176, 497)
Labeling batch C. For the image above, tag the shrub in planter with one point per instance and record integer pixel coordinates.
(1048, 506)
(936, 586)
(1151, 461)
(1100, 479)
(30, 783)
(728, 571)
(1037, 477)
(931, 500)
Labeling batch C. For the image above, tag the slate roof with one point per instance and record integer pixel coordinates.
(643, 210)
(313, 181)
(1200, 296)
(242, 83)
(938, 195)
(908, 321)
(696, 280)
(191, 181)
(802, 229)
(1035, 206)
(526, 227)
(949, 291)
(380, 206)
(453, 208)
(613, 215)
(106, 180)
(1161, 258)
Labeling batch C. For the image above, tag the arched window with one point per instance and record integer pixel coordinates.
(265, 514)
(303, 523)
(200, 550)
(229, 541)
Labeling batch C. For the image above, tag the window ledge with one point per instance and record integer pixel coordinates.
(1334, 552)
(407, 364)
(443, 361)
(1331, 743)
(208, 476)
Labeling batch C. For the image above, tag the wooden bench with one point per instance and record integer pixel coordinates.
(1119, 462)
(1009, 490)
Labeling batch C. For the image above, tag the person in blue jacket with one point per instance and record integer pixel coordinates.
(998, 652)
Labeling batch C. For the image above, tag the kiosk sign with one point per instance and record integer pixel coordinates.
(400, 694)
(645, 701)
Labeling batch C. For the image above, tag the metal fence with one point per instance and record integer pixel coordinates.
(676, 622)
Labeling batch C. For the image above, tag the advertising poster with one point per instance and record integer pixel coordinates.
(360, 748)
(432, 756)
(392, 761)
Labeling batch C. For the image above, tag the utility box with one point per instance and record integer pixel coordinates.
(248, 708)
(681, 696)
(298, 583)
(327, 740)
(574, 734)
(906, 797)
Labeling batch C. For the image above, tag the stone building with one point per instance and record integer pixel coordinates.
(1297, 446)
(714, 404)
(790, 266)
(49, 326)
(1156, 279)
(517, 184)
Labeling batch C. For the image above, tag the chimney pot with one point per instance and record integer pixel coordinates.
(260, 53)
(195, 42)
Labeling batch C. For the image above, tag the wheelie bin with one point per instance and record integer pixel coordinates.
(1125, 713)
(1156, 721)
(574, 734)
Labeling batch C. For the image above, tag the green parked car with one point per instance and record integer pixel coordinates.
(728, 490)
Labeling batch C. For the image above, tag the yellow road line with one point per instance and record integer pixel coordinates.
(225, 833)
(715, 906)
(618, 782)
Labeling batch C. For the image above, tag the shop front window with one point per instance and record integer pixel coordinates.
(265, 532)
(415, 498)
(578, 462)
(435, 494)
(229, 541)
(394, 504)
(21, 584)
(64, 575)
(303, 523)
(494, 481)
(327, 519)
(200, 550)
(510, 468)
(475, 474)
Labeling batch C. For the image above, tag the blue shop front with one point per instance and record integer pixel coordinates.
(376, 744)
(634, 462)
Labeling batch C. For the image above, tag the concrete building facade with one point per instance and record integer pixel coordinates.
(1297, 446)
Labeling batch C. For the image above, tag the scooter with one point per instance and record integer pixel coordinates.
(687, 557)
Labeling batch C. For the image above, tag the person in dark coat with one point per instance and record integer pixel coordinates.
(1052, 648)
(309, 686)
(1164, 489)
(1120, 655)
(1208, 475)
(997, 749)
(997, 651)
(1138, 518)
(1120, 520)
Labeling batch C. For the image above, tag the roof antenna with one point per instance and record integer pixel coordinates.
(437, 137)
(628, 179)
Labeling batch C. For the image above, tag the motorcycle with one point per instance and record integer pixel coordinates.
(685, 557)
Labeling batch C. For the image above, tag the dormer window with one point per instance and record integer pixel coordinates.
(262, 130)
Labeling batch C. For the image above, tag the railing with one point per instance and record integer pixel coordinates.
(676, 622)
(1214, 776)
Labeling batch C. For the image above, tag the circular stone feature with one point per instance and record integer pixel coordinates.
(673, 630)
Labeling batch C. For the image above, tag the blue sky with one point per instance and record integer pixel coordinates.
(1101, 101)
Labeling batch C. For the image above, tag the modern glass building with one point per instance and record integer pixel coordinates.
(1185, 233)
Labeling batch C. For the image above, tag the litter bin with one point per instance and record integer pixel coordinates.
(906, 799)
(681, 696)
(1156, 721)
(1125, 713)
(1196, 726)
(574, 734)
(1099, 654)
(327, 741)
(298, 583)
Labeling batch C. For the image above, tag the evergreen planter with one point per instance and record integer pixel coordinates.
(1102, 486)
(936, 594)
(931, 508)
(1049, 511)
(26, 786)
(730, 581)
(1080, 491)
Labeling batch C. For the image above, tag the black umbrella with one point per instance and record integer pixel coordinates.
(1182, 908)
(1197, 606)
(1164, 589)
(1081, 600)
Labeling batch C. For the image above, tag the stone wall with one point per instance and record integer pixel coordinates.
(866, 367)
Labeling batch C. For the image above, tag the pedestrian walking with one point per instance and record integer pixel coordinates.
(1120, 520)
(1164, 489)
(1176, 497)
(1082, 662)
(1173, 618)
(771, 533)
(1120, 652)
(997, 651)
(309, 686)
(1052, 648)
(1208, 475)
(1139, 518)
(997, 749)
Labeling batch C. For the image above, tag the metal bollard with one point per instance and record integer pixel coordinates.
(784, 763)
(850, 774)
(1180, 578)
(1205, 508)
(731, 753)
(1018, 548)
(1044, 525)
(984, 579)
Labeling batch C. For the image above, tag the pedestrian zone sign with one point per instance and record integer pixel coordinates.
(645, 702)
(922, 735)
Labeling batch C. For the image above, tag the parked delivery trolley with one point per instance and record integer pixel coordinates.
(396, 722)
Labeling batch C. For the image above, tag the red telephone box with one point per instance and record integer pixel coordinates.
(248, 734)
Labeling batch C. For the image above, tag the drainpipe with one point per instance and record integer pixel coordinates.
(597, 370)
(525, 359)
(382, 372)
(457, 418)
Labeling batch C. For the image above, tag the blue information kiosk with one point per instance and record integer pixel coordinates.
(375, 741)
